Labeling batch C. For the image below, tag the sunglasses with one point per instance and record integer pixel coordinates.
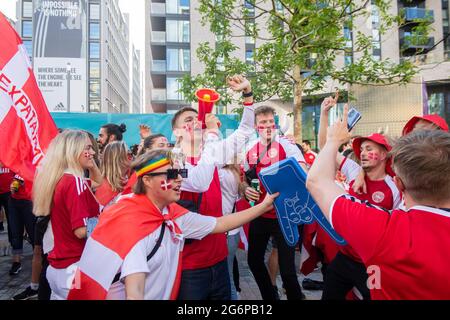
(172, 174)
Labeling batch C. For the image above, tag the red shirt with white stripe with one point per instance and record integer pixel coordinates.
(382, 193)
(73, 202)
(6, 177)
(280, 149)
(310, 156)
(404, 251)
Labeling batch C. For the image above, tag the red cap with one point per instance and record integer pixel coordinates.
(375, 137)
(433, 118)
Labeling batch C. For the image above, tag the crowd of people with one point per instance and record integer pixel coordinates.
(164, 221)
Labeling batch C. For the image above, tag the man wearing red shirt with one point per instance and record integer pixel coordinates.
(270, 149)
(309, 155)
(402, 249)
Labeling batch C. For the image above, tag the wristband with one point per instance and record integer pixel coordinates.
(246, 95)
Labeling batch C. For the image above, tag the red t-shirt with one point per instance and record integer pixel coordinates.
(6, 177)
(405, 252)
(73, 202)
(382, 193)
(310, 157)
(213, 248)
(25, 189)
(280, 149)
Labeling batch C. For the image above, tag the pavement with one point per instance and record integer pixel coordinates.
(12, 285)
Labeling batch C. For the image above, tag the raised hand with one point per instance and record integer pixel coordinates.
(144, 131)
(239, 83)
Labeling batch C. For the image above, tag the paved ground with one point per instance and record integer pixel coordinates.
(12, 285)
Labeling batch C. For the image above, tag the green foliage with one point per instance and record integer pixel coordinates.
(305, 34)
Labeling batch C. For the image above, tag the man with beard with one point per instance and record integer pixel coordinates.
(110, 132)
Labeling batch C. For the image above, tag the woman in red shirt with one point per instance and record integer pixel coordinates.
(70, 206)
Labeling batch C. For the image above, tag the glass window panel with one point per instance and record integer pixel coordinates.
(94, 89)
(27, 29)
(27, 9)
(249, 56)
(172, 60)
(94, 50)
(94, 106)
(186, 62)
(94, 69)
(29, 46)
(94, 30)
(171, 6)
(94, 11)
(184, 6)
(184, 31)
(172, 88)
(171, 31)
(375, 35)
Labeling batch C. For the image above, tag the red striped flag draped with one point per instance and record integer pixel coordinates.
(26, 126)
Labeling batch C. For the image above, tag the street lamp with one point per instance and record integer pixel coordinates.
(68, 67)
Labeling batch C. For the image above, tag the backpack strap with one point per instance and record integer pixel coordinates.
(152, 253)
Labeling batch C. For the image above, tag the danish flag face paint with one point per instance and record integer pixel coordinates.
(166, 185)
(373, 156)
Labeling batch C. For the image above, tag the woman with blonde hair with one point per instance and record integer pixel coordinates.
(61, 191)
(115, 170)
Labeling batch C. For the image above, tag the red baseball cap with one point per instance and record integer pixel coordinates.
(433, 118)
(374, 137)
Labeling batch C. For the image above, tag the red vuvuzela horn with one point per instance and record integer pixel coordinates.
(206, 99)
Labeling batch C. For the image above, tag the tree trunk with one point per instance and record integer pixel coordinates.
(298, 89)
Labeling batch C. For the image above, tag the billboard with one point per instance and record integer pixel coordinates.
(60, 53)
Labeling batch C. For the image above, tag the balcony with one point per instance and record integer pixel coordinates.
(158, 66)
(158, 37)
(412, 44)
(158, 94)
(414, 14)
(158, 9)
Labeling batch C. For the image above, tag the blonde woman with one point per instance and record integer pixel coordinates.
(61, 191)
(115, 170)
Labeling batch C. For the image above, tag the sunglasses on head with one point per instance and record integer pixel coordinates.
(172, 174)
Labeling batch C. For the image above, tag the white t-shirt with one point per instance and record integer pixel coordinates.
(162, 268)
(230, 193)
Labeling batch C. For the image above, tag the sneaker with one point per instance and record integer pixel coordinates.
(26, 294)
(15, 268)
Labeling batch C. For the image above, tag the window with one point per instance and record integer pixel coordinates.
(27, 29)
(94, 31)
(29, 46)
(94, 69)
(348, 59)
(27, 9)
(94, 50)
(94, 11)
(94, 106)
(94, 89)
(177, 31)
(178, 59)
(172, 87)
(249, 56)
(177, 6)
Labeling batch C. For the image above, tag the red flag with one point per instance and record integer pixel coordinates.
(26, 126)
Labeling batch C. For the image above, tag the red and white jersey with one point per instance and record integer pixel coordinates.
(310, 157)
(404, 251)
(382, 193)
(6, 177)
(280, 149)
(161, 269)
(73, 202)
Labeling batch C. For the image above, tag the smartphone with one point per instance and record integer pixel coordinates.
(352, 119)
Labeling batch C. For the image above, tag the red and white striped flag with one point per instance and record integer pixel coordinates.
(26, 126)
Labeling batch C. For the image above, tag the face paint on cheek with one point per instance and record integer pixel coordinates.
(87, 155)
(166, 185)
(372, 156)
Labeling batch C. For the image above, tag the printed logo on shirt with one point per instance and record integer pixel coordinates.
(272, 153)
(81, 185)
(378, 196)
(4, 170)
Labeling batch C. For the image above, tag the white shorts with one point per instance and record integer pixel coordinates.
(60, 281)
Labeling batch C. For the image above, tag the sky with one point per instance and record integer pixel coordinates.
(136, 9)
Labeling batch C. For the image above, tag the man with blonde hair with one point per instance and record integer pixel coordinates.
(400, 247)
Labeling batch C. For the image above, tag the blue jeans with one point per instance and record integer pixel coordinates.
(20, 217)
(233, 242)
(212, 283)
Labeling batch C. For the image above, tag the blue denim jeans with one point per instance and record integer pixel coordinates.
(20, 217)
(212, 283)
(233, 242)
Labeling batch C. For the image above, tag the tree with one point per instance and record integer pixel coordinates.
(300, 42)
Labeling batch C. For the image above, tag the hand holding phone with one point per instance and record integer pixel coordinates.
(352, 118)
